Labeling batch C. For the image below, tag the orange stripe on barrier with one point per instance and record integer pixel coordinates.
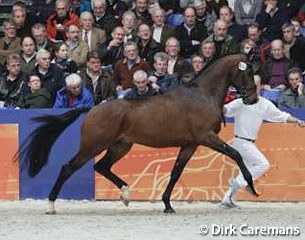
(9, 171)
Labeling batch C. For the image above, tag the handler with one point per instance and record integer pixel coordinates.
(247, 122)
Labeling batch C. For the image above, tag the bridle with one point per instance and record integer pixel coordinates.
(245, 92)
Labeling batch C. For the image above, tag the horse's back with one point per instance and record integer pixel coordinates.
(161, 121)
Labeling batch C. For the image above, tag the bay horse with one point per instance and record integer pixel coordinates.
(186, 117)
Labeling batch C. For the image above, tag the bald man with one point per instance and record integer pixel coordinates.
(224, 43)
(190, 34)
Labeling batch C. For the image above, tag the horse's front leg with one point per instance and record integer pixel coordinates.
(184, 156)
(213, 141)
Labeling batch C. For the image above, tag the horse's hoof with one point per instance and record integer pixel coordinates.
(51, 208)
(124, 201)
(253, 191)
(125, 195)
(50, 212)
(169, 210)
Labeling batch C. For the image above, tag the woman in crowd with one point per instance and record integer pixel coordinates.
(62, 61)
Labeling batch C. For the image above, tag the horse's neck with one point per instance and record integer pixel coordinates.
(215, 84)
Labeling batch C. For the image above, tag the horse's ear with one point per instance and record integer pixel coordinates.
(250, 55)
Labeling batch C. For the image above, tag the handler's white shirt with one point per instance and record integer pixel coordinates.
(248, 118)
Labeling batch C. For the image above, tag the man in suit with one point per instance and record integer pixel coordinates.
(161, 31)
(77, 49)
(177, 65)
(89, 34)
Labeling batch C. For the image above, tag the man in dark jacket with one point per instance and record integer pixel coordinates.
(38, 97)
(112, 51)
(160, 80)
(103, 18)
(97, 80)
(147, 46)
(117, 8)
(295, 48)
(271, 19)
(294, 96)
(142, 88)
(274, 73)
(23, 20)
(190, 34)
(224, 43)
(141, 12)
(12, 83)
(238, 32)
(292, 6)
(50, 75)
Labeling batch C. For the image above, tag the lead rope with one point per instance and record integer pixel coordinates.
(224, 120)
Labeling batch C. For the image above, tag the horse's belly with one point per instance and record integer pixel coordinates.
(162, 139)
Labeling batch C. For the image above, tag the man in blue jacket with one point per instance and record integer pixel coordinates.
(74, 95)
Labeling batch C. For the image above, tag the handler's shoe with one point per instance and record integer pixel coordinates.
(228, 200)
(228, 205)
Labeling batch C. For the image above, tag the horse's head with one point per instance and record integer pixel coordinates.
(244, 82)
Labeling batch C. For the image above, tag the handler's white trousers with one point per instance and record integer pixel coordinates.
(255, 161)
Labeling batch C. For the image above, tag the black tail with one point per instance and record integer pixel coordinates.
(36, 148)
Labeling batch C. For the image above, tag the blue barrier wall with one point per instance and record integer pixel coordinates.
(79, 186)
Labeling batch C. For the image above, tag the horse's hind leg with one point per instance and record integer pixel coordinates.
(103, 166)
(184, 156)
(66, 171)
(213, 141)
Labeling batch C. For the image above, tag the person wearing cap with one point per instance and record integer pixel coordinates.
(160, 30)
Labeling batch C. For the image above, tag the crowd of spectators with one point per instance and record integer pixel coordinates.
(70, 54)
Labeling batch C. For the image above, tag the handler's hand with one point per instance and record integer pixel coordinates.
(300, 89)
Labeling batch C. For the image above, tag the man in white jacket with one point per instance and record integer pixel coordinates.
(247, 122)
